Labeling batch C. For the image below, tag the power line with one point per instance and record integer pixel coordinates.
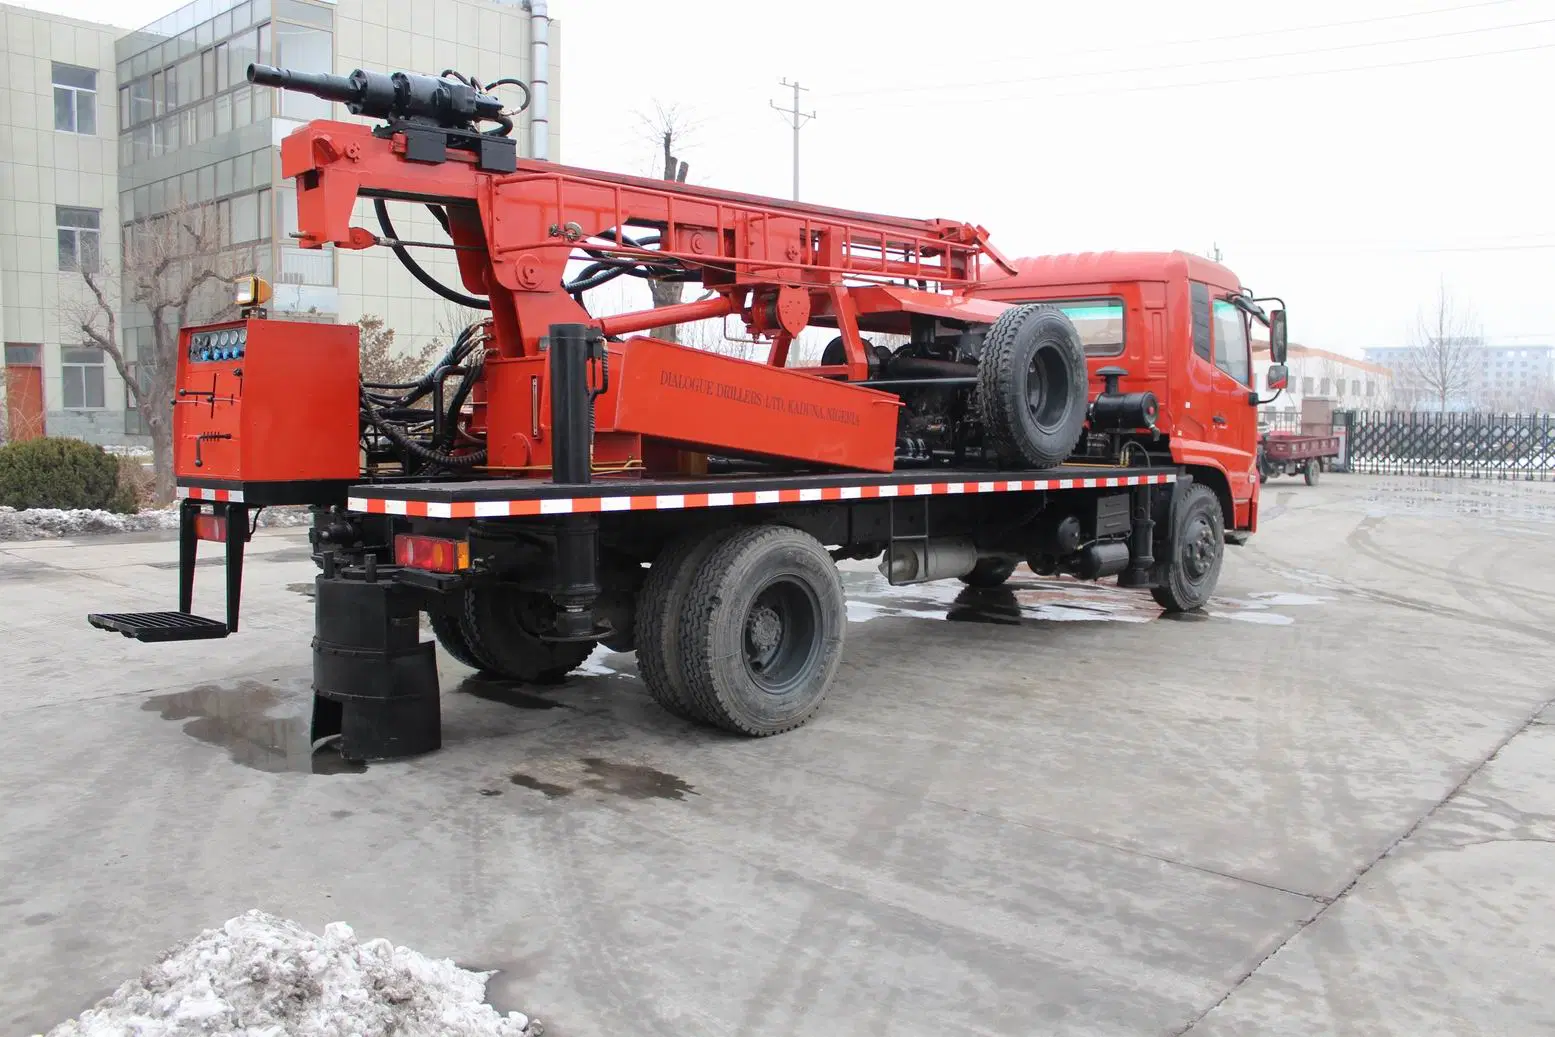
(1195, 41)
(1214, 82)
(1200, 64)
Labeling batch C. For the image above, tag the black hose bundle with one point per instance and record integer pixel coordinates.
(389, 409)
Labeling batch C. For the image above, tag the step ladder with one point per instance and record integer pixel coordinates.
(227, 523)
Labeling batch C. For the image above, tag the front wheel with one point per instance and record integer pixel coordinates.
(761, 630)
(1311, 472)
(1195, 552)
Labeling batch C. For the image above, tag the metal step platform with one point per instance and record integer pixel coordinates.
(159, 626)
(227, 523)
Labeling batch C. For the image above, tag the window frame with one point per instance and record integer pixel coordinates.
(80, 98)
(82, 369)
(76, 232)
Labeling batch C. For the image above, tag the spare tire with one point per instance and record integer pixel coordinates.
(1032, 386)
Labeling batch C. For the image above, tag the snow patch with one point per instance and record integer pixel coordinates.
(263, 976)
(595, 665)
(54, 523)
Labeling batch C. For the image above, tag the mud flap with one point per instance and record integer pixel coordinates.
(374, 679)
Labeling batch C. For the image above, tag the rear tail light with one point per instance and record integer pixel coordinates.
(211, 527)
(432, 554)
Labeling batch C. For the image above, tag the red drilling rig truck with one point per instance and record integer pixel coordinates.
(561, 480)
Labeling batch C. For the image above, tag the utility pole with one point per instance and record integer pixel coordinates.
(797, 119)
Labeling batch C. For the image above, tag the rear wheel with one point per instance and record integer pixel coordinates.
(989, 572)
(1032, 387)
(445, 627)
(1311, 472)
(497, 624)
(1195, 553)
(761, 631)
(659, 607)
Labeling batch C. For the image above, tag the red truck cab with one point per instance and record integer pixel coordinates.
(1180, 326)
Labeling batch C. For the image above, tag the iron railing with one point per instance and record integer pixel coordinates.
(1480, 446)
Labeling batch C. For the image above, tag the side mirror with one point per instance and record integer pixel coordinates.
(1279, 375)
(1277, 336)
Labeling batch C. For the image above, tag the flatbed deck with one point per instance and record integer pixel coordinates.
(498, 498)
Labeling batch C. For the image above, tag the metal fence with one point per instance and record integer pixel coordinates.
(1479, 446)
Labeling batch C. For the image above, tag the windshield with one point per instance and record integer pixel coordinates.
(1099, 322)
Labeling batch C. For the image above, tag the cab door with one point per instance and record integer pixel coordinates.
(1233, 417)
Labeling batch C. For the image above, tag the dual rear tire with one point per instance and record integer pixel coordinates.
(490, 631)
(742, 629)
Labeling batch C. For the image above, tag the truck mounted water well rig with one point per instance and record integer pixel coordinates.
(560, 480)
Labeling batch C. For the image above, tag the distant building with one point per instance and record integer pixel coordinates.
(1349, 383)
(1503, 377)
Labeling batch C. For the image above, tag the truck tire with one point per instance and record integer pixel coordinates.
(1032, 386)
(761, 631)
(493, 626)
(445, 627)
(1196, 550)
(1310, 472)
(621, 583)
(659, 607)
(989, 572)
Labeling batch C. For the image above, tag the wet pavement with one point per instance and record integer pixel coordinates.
(1322, 805)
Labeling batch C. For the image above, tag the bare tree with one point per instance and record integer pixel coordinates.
(381, 362)
(172, 268)
(1445, 351)
(669, 127)
(452, 319)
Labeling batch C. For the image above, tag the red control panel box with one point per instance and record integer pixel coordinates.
(267, 407)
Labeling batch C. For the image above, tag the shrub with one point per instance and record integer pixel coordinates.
(60, 473)
(137, 486)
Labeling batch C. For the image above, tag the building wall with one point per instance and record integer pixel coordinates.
(483, 38)
(42, 168)
(1319, 374)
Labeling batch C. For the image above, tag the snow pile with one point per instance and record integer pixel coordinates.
(262, 976)
(53, 523)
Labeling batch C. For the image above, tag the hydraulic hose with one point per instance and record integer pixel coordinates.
(416, 270)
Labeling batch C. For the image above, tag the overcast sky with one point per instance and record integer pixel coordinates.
(1345, 154)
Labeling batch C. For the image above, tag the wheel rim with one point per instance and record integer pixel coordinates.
(1198, 547)
(781, 634)
(1046, 377)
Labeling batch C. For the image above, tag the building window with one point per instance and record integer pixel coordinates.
(75, 99)
(1324, 388)
(1371, 389)
(1355, 387)
(1306, 387)
(78, 237)
(81, 373)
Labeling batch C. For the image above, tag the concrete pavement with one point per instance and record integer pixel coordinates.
(1323, 807)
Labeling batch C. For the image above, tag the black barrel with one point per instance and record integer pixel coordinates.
(319, 84)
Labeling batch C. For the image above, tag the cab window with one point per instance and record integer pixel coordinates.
(1200, 296)
(1231, 342)
(1099, 322)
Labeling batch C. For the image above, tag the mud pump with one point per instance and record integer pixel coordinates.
(561, 480)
